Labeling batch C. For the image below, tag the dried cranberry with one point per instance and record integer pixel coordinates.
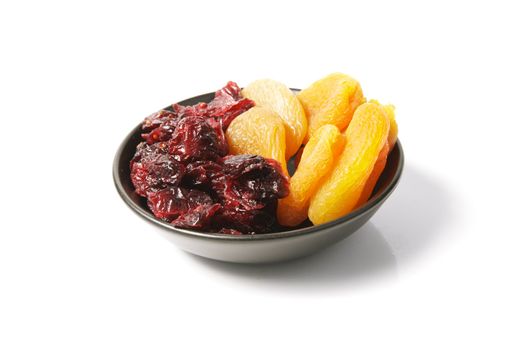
(153, 169)
(161, 133)
(145, 150)
(156, 119)
(250, 182)
(195, 139)
(172, 202)
(250, 221)
(183, 170)
(200, 174)
(197, 218)
(226, 105)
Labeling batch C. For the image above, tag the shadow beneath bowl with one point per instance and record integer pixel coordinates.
(417, 215)
(407, 225)
(364, 254)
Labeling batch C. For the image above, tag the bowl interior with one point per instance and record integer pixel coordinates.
(121, 174)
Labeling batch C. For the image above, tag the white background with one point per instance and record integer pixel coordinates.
(441, 265)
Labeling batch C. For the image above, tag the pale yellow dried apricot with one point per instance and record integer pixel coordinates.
(331, 100)
(258, 131)
(277, 97)
(341, 190)
(317, 160)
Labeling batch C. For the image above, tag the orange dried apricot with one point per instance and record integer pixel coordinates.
(258, 131)
(381, 160)
(340, 192)
(277, 97)
(390, 111)
(379, 166)
(331, 100)
(317, 160)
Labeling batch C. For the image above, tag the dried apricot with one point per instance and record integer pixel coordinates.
(317, 160)
(331, 100)
(379, 166)
(277, 97)
(390, 111)
(340, 192)
(381, 160)
(258, 131)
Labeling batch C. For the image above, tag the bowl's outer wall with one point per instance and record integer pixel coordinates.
(251, 250)
(270, 250)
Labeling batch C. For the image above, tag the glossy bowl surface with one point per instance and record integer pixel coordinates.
(261, 248)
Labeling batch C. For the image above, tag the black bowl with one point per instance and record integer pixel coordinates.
(258, 248)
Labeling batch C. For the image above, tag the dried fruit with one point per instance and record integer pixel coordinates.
(200, 175)
(379, 166)
(390, 111)
(317, 161)
(276, 97)
(172, 202)
(339, 193)
(251, 182)
(227, 104)
(200, 217)
(182, 170)
(382, 158)
(249, 221)
(189, 180)
(331, 100)
(248, 189)
(258, 131)
(153, 169)
(195, 139)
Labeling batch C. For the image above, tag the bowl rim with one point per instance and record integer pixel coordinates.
(370, 204)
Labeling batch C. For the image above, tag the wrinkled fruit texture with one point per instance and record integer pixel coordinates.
(277, 97)
(317, 161)
(331, 100)
(258, 131)
(383, 155)
(390, 110)
(341, 191)
(183, 170)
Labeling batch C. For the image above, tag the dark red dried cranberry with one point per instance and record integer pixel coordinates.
(152, 169)
(200, 174)
(250, 221)
(195, 139)
(197, 218)
(156, 119)
(226, 105)
(172, 202)
(144, 150)
(161, 133)
(250, 182)
(181, 170)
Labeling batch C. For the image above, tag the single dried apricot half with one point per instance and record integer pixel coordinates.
(331, 100)
(382, 158)
(258, 131)
(391, 113)
(277, 97)
(379, 166)
(340, 192)
(317, 160)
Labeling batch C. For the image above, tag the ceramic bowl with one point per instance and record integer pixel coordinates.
(258, 248)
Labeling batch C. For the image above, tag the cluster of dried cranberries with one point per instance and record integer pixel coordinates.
(184, 170)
